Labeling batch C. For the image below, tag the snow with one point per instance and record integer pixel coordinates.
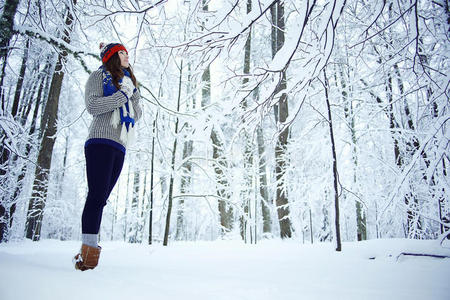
(227, 270)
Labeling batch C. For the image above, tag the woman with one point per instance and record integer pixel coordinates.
(113, 100)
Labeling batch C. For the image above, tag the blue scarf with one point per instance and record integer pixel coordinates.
(109, 88)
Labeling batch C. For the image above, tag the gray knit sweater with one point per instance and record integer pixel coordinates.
(102, 108)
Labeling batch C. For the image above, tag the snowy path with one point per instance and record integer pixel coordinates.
(225, 270)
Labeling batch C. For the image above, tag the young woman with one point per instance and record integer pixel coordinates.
(113, 100)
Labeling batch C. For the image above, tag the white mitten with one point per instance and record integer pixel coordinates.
(127, 86)
(127, 91)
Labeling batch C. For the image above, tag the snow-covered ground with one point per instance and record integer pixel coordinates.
(226, 270)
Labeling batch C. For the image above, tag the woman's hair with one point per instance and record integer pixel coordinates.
(114, 67)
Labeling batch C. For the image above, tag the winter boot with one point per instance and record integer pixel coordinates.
(88, 258)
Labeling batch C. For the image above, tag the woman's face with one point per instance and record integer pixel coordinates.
(123, 59)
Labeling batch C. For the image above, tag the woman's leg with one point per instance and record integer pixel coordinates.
(117, 168)
(103, 166)
(119, 157)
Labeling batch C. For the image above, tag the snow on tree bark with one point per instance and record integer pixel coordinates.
(281, 115)
(38, 198)
(335, 170)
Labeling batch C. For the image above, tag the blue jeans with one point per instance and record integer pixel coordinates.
(103, 166)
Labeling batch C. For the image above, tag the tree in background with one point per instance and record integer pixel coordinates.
(387, 93)
(49, 127)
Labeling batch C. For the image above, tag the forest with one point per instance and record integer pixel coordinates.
(309, 120)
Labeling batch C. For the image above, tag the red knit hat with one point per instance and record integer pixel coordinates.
(109, 50)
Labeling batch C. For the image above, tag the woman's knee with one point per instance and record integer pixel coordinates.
(96, 201)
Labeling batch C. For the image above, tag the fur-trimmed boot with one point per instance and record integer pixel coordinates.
(87, 258)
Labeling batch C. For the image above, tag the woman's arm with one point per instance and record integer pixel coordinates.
(96, 103)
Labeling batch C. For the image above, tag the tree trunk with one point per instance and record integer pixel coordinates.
(114, 216)
(361, 223)
(186, 173)
(3, 107)
(311, 227)
(144, 209)
(39, 194)
(60, 177)
(20, 81)
(150, 222)
(245, 221)
(169, 207)
(29, 97)
(29, 91)
(37, 201)
(6, 33)
(7, 25)
(132, 237)
(225, 211)
(414, 223)
(263, 191)
(280, 159)
(274, 44)
(172, 170)
(185, 184)
(125, 213)
(281, 117)
(443, 218)
(335, 172)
